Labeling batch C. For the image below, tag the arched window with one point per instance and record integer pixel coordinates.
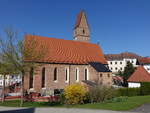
(55, 74)
(77, 74)
(43, 78)
(31, 78)
(86, 74)
(66, 74)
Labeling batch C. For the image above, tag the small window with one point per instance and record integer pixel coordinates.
(101, 75)
(83, 31)
(115, 62)
(77, 74)
(67, 74)
(111, 68)
(86, 74)
(55, 74)
(108, 75)
(116, 68)
(120, 62)
(110, 62)
(132, 61)
(121, 68)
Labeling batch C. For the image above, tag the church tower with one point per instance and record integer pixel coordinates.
(81, 30)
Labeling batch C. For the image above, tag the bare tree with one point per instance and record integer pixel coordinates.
(5, 69)
(21, 54)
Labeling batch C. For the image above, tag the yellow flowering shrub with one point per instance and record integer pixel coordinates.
(74, 94)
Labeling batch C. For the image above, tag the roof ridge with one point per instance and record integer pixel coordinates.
(58, 39)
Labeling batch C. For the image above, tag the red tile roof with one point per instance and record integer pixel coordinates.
(68, 51)
(140, 75)
(121, 56)
(119, 78)
(144, 60)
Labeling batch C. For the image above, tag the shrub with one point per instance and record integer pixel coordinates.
(145, 88)
(100, 93)
(74, 94)
(62, 98)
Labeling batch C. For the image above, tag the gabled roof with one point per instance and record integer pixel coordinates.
(121, 56)
(144, 60)
(140, 75)
(68, 51)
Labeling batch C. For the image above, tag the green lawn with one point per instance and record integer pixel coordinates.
(127, 104)
(130, 103)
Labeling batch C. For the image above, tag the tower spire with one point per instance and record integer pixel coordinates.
(81, 28)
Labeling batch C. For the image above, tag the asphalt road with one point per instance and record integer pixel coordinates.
(54, 110)
(142, 109)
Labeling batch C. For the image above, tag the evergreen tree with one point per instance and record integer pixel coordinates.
(129, 69)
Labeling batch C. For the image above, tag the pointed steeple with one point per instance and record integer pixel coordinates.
(81, 29)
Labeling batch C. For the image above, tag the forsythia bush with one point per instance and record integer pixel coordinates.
(74, 94)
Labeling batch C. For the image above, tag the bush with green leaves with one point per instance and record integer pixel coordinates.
(100, 93)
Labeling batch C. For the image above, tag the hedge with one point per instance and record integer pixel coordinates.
(128, 92)
(143, 90)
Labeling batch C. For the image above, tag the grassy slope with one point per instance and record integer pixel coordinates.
(130, 103)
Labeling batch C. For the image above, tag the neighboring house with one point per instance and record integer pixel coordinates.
(117, 62)
(68, 61)
(117, 80)
(145, 62)
(9, 80)
(140, 75)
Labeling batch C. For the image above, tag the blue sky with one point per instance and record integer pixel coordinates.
(119, 25)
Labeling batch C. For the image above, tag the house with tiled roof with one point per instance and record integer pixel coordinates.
(140, 75)
(67, 61)
(145, 62)
(118, 62)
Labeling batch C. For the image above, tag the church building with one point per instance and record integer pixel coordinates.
(68, 61)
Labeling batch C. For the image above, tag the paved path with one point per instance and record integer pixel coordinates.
(54, 110)
(145, 108)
